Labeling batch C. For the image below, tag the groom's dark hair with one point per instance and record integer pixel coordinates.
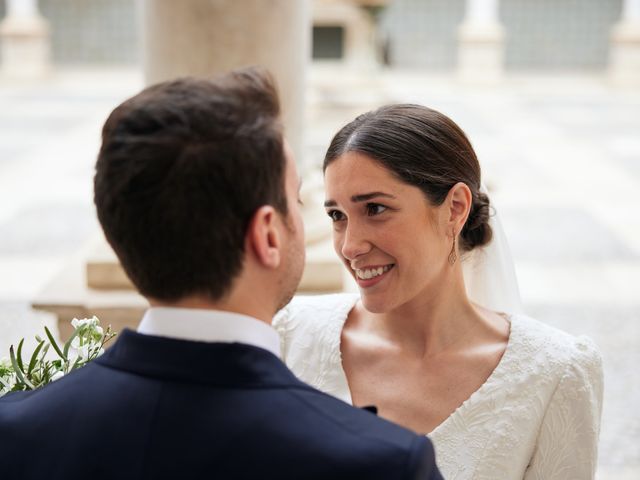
(182, 168)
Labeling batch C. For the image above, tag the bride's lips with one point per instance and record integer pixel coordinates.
(377, 273)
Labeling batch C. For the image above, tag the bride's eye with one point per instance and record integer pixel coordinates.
(335, 215)
(375, 209)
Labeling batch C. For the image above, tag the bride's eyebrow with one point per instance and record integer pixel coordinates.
(362, 197)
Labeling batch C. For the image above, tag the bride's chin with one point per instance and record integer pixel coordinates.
(374, 305)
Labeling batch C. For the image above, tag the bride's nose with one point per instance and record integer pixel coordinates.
(354, 241)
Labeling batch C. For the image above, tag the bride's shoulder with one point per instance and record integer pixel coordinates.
(314, 311)
(309, 328)
(553, 348)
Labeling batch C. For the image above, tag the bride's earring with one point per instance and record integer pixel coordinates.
(452, 255)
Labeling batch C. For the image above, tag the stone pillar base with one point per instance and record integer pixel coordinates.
(26, 47)
(480, 53)
(624, 64)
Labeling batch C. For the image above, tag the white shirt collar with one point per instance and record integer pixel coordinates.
(202, 325)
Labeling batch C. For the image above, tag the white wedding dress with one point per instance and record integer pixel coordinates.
(536, 417)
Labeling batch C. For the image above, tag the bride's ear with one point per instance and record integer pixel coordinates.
(458, 203)
(263, 237)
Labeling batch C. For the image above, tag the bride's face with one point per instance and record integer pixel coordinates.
(392, 241)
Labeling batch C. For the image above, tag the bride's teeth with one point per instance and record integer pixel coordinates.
(372, 272)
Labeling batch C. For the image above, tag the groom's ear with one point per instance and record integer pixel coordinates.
(263, 237)
(458, 203)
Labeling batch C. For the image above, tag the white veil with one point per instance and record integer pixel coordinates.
(489, 272)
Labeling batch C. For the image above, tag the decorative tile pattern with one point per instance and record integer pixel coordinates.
(543, 34)
(558, 34)
(96, 31)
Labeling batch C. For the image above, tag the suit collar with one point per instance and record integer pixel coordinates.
(222, 364)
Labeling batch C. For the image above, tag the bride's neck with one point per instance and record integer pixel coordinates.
(434, 321)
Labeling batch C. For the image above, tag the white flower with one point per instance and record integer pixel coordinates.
(85, 322)
(88, 329)
(57, 376)
(6, 383)
(75, 343)
(79, 351)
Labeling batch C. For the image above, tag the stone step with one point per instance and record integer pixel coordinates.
(323, 271)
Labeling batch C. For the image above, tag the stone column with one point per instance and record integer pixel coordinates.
(481, 43)
(624, 61)
(206, 37)
(25, 41)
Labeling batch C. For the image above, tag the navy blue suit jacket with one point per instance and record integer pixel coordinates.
(156, 408)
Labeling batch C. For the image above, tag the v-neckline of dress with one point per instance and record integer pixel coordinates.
(495, 376)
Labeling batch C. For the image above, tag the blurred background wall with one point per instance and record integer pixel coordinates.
(540, 34)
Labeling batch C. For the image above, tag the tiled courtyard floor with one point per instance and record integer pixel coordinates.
(561, 158)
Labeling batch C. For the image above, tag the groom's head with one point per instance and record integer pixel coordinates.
(197, 191)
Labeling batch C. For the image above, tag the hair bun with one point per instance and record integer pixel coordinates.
(477, 231)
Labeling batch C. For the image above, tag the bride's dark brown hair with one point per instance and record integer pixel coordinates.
(424, 148)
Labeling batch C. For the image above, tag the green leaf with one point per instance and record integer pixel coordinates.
(67, 344)
(17, 369)
(76, 364)
(45, 376)
(34, 357)
(43, 354)
(19, 355)
(54, 344)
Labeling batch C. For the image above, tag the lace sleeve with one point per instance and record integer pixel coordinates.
(281, 324)
(567, 443)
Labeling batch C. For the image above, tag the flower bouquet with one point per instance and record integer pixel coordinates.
(85, 344)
